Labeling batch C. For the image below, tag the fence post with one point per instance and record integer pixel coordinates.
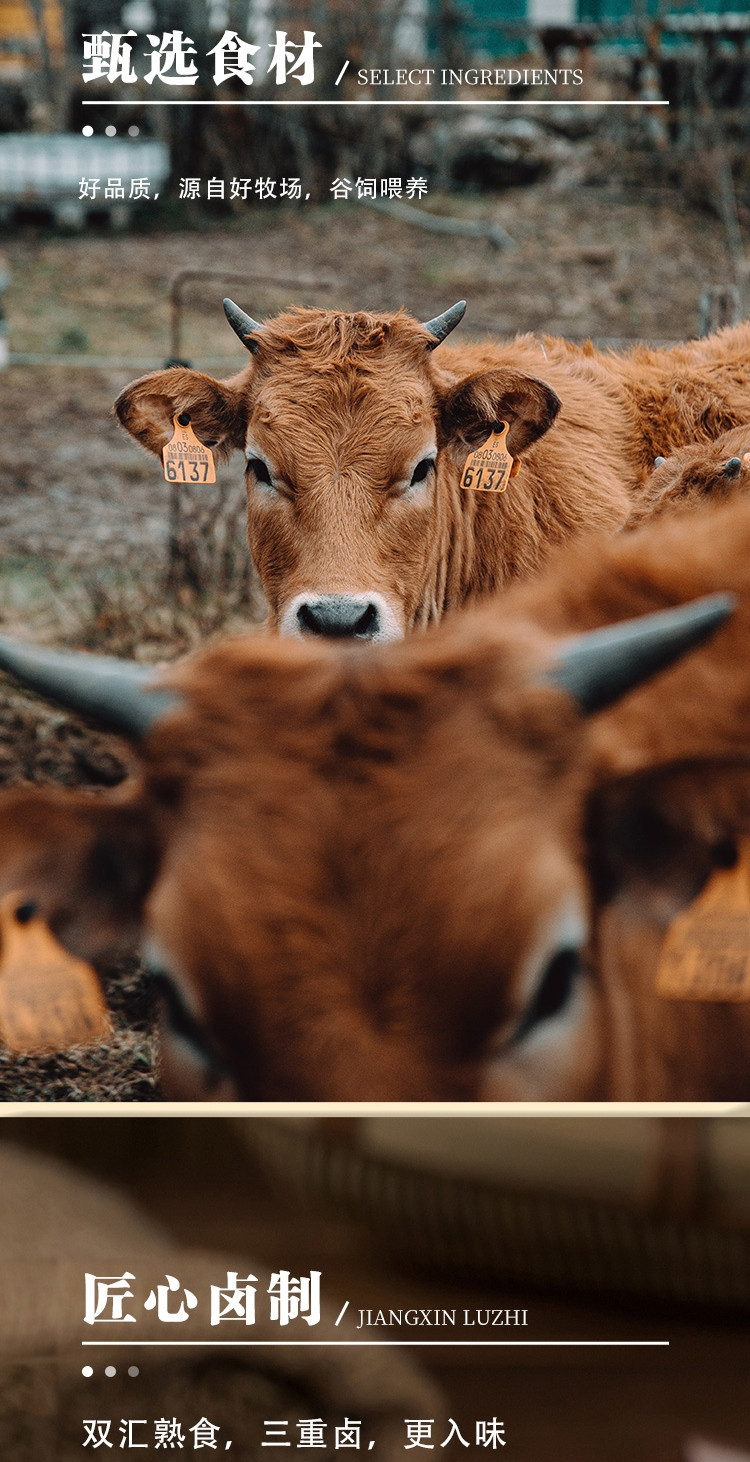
(4, 341)
(719, 306)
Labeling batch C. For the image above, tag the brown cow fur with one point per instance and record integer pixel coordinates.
(363, 854)
(341, 408)
(696, 476)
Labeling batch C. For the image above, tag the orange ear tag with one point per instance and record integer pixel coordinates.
(490, 467)
(185, 458)
(706, 951)
(49, 1000)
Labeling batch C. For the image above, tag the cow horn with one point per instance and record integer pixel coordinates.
(443, 324)
(114, 692)
(659, 461)
(243, 325)
(598, 667)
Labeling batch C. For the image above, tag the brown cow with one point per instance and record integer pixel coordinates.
(696, 475)
(356, 432)
(428, 870)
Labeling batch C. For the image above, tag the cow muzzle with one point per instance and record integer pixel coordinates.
(341, 617)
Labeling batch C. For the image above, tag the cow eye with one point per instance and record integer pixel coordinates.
(553, 993)
(259, 470)
(422, 470)
(181, 1024)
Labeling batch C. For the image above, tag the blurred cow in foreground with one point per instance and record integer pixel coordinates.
(693, 476)
(441, 869)
(356, 432)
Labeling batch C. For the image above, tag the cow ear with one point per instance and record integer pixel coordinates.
(218, 415)
(526, 403)
(655, 837)
(86, 863)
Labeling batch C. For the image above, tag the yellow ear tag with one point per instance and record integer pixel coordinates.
(185, 458)
(490, 467)
(706, 951)
(49, 1000)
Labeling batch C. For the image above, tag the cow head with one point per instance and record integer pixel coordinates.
(359, 878)
(352, 435)
(695, 476)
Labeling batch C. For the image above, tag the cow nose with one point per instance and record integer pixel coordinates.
(340, 616)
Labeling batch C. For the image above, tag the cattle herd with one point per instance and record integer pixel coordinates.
(508, 859)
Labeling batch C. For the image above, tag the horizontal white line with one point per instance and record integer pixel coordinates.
(399, 1343)
(479, 1111)
(127, 103)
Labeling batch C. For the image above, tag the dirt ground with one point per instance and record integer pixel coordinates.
(84, 513)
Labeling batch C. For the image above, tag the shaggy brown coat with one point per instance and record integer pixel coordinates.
(339, 410)
(361, 866)
(694, 476)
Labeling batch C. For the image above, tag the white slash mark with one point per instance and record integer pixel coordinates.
(343, 1312)
(372, 1444)
(342, 72)
(227, 1445)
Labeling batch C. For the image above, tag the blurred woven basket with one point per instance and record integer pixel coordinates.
(58, 1223)
(485, 1219)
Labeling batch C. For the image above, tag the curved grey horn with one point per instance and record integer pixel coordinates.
(733, 467)
(443, 324)
(243, 325)
(114, 692)
(659, 461)
(598, 667)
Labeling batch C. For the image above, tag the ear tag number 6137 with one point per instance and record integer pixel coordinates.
(490, 467)
(185, 458)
